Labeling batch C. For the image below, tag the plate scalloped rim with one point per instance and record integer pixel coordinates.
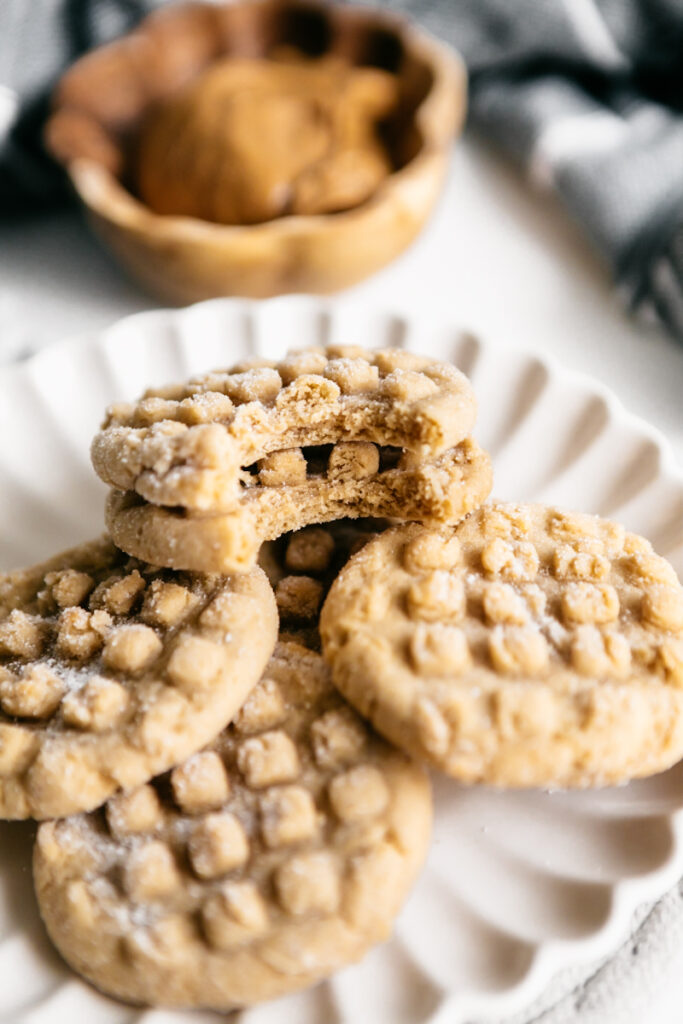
(551, 955)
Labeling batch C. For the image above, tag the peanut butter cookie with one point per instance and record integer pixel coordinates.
(527, 647)
(279, 853)
(200, 445)
(112, 670)
(352, 478)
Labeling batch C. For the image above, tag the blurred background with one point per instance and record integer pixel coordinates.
(557, 224)
(569, 174)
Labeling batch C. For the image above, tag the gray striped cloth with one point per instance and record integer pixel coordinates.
(588, 96)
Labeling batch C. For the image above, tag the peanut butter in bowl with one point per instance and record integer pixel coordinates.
(251, 140)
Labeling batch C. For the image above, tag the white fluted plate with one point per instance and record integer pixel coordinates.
(517, 885)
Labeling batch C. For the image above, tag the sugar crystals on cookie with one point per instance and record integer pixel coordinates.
(279, 853)
(196, 444)
(112, 670)
(205, 472)
(526, 647)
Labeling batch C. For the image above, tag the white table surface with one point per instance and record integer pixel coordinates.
(497, 258)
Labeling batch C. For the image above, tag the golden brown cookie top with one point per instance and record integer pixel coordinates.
(198, 444)
(251, 140)
(277, 854)
(112, 669)
(524, 630)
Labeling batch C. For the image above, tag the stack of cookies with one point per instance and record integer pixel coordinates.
(223, 710)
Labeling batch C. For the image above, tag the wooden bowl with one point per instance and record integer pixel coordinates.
(100, 101)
